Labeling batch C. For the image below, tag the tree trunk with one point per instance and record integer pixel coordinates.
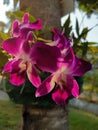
(34, 118)
(48, 10)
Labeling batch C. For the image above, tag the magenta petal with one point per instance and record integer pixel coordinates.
(46, 87)
(30, 37)
(71, 86)
(75, 89)
(37, 25)
(15, 29)
(24, 32)
(33, 75)
(12, 45)
(15, 66)
(61, 93)
(25, 48)
(62, 41)
(59, 96)
(18, 75)
(12, 66)
(57, 34)
(26, 18)
(8, 67)
(80, 67)
(17, 78)
(45, 56)
(69, 57)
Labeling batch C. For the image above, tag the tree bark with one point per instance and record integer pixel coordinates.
(34, 118)
(48, 10)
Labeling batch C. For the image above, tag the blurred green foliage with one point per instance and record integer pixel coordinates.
(88, 6)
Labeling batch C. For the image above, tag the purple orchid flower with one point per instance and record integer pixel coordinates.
(26, 58)
(62, 43)
(62, 81)
(25, 26)
(21, 65)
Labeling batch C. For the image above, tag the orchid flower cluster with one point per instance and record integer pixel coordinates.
(30, 57)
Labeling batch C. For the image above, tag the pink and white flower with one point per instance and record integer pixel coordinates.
(22, 29)
(62, 82)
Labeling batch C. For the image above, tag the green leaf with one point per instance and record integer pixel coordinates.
(77, 27)
(67, 27)
(84, 48)
(84, 33)
(3, 59)
(67, 22)
(92, 43)
(4, 36)
(21, 13)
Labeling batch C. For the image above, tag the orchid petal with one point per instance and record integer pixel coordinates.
(37, 25)
(15, 28)
(18, 74)
(46, 87)
(45, 56)
(61, 93)
(71, 86)
(33, 75)
(12, 45)
(26, 18)
(75, 89)
(56, 34)
(8, 67)
(25, 48)
(17, 78)
(77, 67)
(12, 66)
(62, 41)
(59, 96)
(30, 37)
(69, 57)
(15, 66)
(24, 32)
(80, 67)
